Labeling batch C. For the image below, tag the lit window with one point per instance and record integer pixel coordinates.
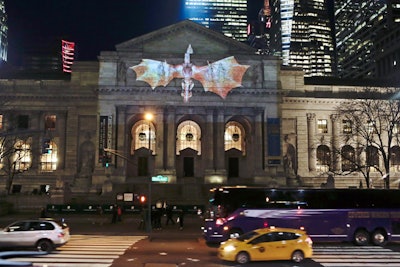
(188, 136)
(322, 126)
(234, 136)
(348, 158)
(50, 122)
(141, 132)
(22, 156)
(323, 158)
(347, 127)
(48, 159)
(395, 158)
(371, 127)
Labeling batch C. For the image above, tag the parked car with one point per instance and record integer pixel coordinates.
(267, 244)
(42, 234)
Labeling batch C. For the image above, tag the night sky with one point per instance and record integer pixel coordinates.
(94, 25)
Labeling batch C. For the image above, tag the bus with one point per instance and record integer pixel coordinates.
(362, 216)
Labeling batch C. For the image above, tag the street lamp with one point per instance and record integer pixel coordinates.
(149, 117)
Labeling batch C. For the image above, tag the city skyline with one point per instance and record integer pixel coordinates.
(93, 25)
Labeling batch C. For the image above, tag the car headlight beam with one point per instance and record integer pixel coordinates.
(229, 248)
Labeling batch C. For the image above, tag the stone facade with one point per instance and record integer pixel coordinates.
(262, 133)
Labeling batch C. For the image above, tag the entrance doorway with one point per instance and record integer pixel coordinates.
(233, 167)
(188, 166)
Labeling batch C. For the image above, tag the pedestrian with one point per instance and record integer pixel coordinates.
(180, 219)
(119, 213)
(114, 214)
(99, 211)
(169, 213)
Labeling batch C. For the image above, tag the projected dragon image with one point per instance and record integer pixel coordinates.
(219, 77)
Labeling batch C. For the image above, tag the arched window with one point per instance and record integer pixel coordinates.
(348, 158)
(141, 132)
(48, 160)
(188, 136)
(395, 158)
(22, 155)
(234, 137)
(372, 156)
(323, 158)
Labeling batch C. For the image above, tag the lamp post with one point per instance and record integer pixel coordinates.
(149, 118)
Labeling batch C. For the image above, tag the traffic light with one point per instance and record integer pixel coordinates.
(142, 199)
(106, 161)
(46, 146)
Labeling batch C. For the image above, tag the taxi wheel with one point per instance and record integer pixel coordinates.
(44, 245)
(298, 256)
(242, 257)
(361, 238)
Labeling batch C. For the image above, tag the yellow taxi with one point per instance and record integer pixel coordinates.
(264, 244)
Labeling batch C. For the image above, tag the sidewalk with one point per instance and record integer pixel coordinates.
(96, 224)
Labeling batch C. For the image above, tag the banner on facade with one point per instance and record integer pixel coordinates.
(105, 136)
(68, 52)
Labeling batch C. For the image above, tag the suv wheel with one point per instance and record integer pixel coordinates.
(44, 245)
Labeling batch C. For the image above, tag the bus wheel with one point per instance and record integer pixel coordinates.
(242, 257)
(379, 238)
(297, 256)
(361, 238)
(234, 233)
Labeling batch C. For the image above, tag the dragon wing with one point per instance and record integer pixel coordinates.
(221, 76)
(156, 73)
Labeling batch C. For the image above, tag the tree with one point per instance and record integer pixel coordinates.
(374, 125)
(15, 149)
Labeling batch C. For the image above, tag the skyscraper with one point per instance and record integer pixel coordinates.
(226, 16)
(301, 33)
(357, 24)
(3, 32)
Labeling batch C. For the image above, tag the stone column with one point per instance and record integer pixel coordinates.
(258, 142)
(312, 150)
(170, 144)
(335, 142)
(122, 143)
(159, 146)
(220, 144)
(208, 141)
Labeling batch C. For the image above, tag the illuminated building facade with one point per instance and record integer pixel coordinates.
(357, 25)
(302, 33)
(388, 46)
(3, 32)
(89, 138)
(226, 16)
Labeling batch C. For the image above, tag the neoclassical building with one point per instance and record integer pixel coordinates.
(185, 107)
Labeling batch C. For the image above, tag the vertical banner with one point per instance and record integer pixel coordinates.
(67, 52)
(105, 136)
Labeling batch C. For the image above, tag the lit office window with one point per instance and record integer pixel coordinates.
(322, 126)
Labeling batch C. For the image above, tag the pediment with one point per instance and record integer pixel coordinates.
(174, 39)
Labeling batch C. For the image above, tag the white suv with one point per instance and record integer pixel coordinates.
(42, 234)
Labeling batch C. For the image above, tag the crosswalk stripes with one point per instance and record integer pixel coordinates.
(353, 256)
(85, 251)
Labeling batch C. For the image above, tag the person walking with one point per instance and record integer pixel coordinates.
(169, 213)
(119, 213)
(180, 219)
(114, 214)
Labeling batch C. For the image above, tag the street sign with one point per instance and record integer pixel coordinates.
(159, 179)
